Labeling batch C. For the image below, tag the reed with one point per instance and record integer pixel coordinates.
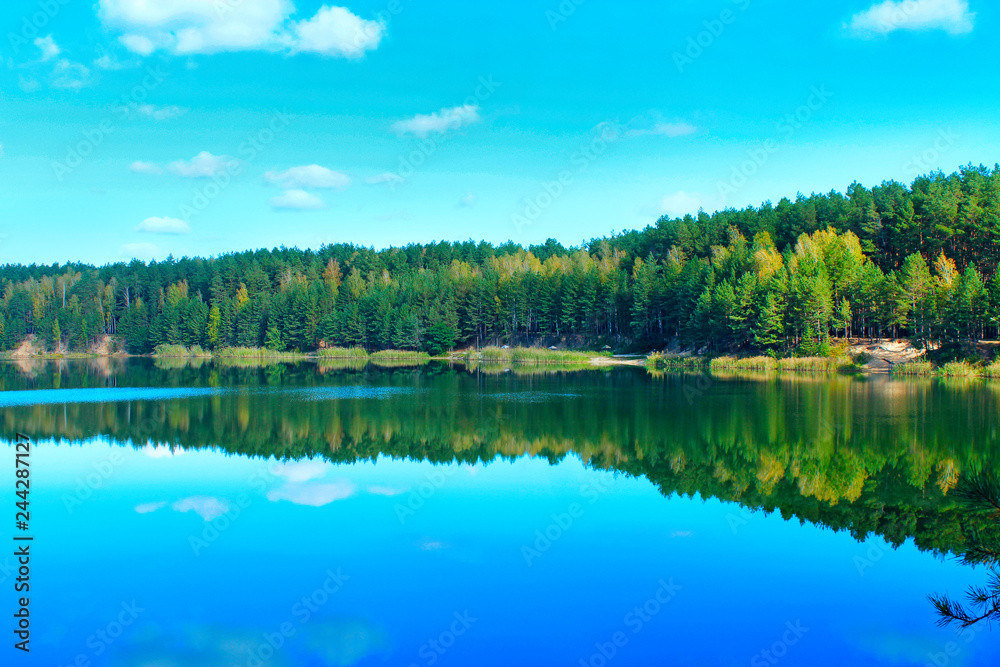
(255, 353)
(814, 364)
(342, 353)
(744, 364)
(658, 360)
(913, 369)
(165, 350)
(960, 369)
(529, 355)
(398, 357)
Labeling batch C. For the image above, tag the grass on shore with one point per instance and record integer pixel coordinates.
(913, 369)
(255, 353)
(660, 360)
(528, 355)
(165, 350)
(398, 358)
(342, 353)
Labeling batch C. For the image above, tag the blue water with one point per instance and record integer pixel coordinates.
(146, 557)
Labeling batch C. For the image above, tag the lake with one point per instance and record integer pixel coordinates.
(195, 514)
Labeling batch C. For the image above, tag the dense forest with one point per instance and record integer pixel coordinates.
(894, 260)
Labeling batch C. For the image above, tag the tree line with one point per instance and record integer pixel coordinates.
(894, 260)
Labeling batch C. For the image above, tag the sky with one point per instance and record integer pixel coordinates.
(134, 129)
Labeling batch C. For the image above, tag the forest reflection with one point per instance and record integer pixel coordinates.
(865, 455)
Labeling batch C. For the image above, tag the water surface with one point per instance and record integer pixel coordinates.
(303, 515)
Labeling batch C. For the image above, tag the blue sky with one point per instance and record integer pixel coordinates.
(198, 127)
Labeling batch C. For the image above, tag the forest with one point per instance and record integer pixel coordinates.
(895, 260)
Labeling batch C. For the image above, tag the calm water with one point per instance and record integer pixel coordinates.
(303, 515)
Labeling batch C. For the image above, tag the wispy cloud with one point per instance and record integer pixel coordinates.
(308, 176)
(140, 167)
(146, 508)
(297, 199)
(161, 451)
(313, 494)
(671, 130)
(202, 165)
(301, 471)
(48, 47)
(160, 113)
(207, 507)
(952, 16)
(439, 122)
(387, 490)
(70, 75)
(156, 225)
(386, 177)
(139, 250)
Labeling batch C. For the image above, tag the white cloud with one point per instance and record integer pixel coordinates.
(156, 225)
(160, 451)
(301, 471)
(146, 508)
(1, 150)
(138, 44)
(334, 31)
(212, 26)
(207, 507)
(682, 203)
(71, 75)
(952, 16)
(313, 495)
(386, 490)
(48, 47)
(108, 62)
(665, 129)
(140, 250)
(387, 177)
(308, 176)
(160, 113)
(468, 201)
(140, 167)
(202, 165)
(439, 122)
(297, 199)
